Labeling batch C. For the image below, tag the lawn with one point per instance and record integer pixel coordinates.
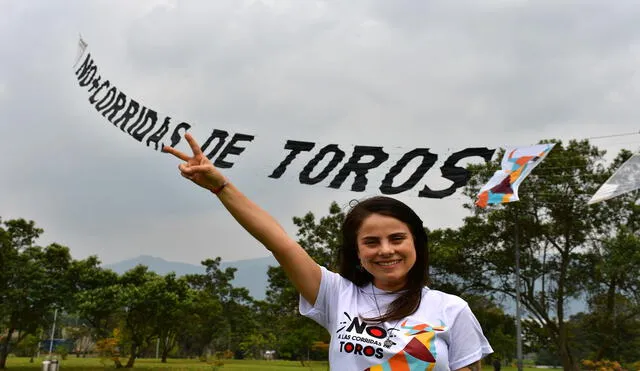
(91, 364)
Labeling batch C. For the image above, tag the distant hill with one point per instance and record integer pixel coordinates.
(251, 273)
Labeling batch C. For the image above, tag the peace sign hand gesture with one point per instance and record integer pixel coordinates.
(198, 168)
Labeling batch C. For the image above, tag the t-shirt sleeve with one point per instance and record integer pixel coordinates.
(467, 342)
(329, 292)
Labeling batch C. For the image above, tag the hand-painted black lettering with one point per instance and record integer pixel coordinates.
(359, 168)
(305, 175)
(128, 114)
(458, 175)
(221, 136)
(107, 100)
(157, 136)
(296, 147)
(428, 159)
(143, 129)
(92, 97)
(176, 136)
(84, 68)
(232, 149)
(141, 116)
(117, 106)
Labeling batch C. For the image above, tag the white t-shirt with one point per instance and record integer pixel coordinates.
(443, 334)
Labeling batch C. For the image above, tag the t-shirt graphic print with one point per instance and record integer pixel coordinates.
(442, 335)
(418, 354)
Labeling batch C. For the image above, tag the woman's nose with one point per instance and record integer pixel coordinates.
(386, 248)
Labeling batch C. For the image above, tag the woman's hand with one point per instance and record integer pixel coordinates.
(197, 168)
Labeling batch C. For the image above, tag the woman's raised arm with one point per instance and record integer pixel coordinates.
(303, 272)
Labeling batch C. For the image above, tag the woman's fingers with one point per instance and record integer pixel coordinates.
(192, 169)
(193, 144)
(195, 148)
(176, 153)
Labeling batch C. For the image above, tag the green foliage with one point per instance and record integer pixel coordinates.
(322, 240)
(32, 280)
(62, 351)
(558, 232)
(27, 347)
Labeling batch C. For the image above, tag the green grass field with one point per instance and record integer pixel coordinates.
(91, 364)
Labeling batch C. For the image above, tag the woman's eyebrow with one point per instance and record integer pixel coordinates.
(398, 234)
(370, 238)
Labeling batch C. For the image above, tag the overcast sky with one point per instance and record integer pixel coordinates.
(400, 74)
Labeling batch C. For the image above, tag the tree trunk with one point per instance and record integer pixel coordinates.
(4, 349)
(609, 316)
(165, 353)
(566, 357)
(563, 348)
(132, 357)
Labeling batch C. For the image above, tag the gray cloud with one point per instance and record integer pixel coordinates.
(402, 74)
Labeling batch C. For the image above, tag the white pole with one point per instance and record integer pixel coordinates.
(53, 329)
(518, 310)
(158, 348)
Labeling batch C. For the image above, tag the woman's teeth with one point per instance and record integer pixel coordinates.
(389, 263)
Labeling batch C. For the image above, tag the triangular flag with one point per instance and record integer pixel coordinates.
(517, 163)
(82, 46)
(625, 179)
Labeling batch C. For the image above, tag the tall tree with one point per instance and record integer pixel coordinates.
(322, 240)
(96, 298)
(235, 304)
(145, 298)
(201, 319)
(555, 228)
(171, 312)
(613, 287)
(33, 281)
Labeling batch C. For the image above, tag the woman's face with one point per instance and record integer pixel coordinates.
(386, 250)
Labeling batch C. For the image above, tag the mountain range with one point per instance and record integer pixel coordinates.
(251, 273)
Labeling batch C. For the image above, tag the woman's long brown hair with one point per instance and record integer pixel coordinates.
(418, 276)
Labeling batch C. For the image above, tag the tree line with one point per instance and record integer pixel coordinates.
(569, 250)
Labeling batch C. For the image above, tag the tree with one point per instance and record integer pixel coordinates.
(171, 312)
(33, 281)
(322, 240)
(97, 297)
(614, 298)
(145, 298)
(237, 318)
(201, 319)
(555, 228)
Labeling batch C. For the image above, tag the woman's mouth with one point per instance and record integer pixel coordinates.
(389, 263)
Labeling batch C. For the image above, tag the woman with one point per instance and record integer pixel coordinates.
(379, 312)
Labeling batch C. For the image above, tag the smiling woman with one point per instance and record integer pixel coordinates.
(378, 309)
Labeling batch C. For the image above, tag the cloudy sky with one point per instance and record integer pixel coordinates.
(399, 74)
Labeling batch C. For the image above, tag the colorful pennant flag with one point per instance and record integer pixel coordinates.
(517, 163)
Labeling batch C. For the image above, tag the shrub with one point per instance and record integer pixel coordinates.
(604, 365)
